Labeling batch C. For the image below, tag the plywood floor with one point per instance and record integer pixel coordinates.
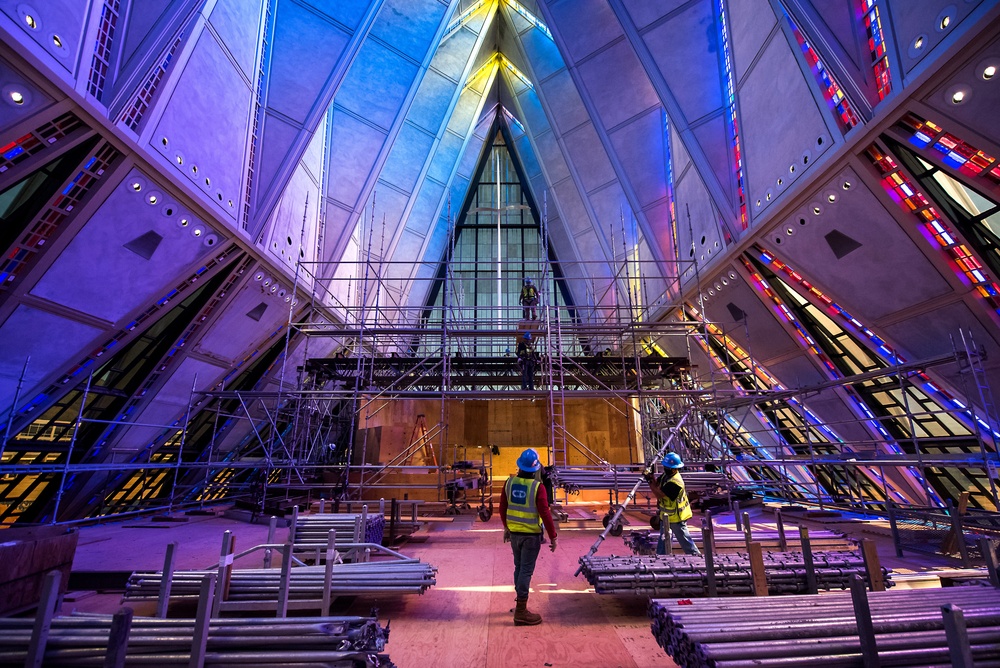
(466, 620)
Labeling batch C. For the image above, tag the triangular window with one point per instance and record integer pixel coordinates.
(498, 243)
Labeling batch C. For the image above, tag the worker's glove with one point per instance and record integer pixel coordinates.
(552, 544)
(506, 535)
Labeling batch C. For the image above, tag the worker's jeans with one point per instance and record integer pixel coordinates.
(526, 547)
(681, 533)
(527, 373)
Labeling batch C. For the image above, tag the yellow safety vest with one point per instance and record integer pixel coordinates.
(522, 513)
(679, 510)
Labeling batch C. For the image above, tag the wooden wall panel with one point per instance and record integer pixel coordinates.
(508, 424)
(501, 413)
(477, 420)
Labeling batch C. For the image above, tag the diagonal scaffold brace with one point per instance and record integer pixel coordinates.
(631, 495)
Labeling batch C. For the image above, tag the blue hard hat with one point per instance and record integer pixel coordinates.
(527, 281)
(672, 461)
(527, 336)
(528, 461)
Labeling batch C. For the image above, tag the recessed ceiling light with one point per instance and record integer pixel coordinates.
(30, 21)
(918, 43)
(136, 186)
(989, 72)
(17, 97)
(57, 41)
(957, 97)
(945, 22)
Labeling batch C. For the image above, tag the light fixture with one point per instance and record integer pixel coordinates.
(918, 43)
(945, 22)
(30, 21)
(989, 72)
(831, 198)
(958, 97)
(817, 211)
(847, 185)
(136, 186)
(17, 97)
(57, 41)
(152, 199)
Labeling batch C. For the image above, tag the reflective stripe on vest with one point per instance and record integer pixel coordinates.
(675, 511)
(522, 513)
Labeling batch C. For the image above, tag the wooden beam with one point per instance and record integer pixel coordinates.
(757, 570)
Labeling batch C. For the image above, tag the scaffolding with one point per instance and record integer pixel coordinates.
(630, 344)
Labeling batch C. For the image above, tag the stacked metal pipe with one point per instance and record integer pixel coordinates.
(305, 583)
(643, 541)
(624, 478)
(341, 642)
(314, 529)
(814, 631)
(685, 575)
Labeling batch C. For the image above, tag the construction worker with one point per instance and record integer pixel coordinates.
(524, 509)
(673, 505)
(528, 301)
(526, 358)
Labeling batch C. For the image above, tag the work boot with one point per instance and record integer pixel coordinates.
(523, 616)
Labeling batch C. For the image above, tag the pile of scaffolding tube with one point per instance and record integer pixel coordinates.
(685, 575)
(822, 631)
(82, 640)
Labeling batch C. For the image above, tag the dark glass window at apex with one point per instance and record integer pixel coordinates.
(498, 243)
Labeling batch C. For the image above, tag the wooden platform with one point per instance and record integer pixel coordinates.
(466, 620)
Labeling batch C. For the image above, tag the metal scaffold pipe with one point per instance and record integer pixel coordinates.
(613, 522)
(342, 642)
(684, 575)
(908, 629)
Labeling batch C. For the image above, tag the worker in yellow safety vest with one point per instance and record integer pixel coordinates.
(673, 504)
(524, 509)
